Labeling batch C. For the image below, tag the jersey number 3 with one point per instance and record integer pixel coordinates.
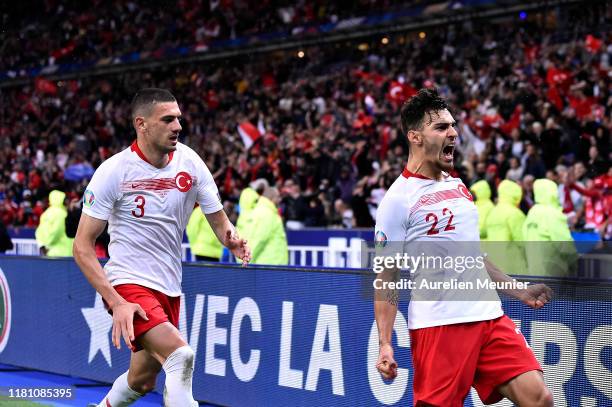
(432, 216)
(140, 203)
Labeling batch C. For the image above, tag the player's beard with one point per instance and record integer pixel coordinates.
(436, 157)
(443, 164)
(165, 144)
(173, 142)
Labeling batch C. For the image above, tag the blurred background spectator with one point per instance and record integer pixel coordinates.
(5, 240)
(265, 232)
(51, 231)
(202, 239)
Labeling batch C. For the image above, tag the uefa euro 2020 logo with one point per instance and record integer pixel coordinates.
(89, 199)
(380, 238)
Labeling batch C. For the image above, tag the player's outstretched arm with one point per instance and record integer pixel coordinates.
(227, 235)
(535, 295)
(385, 309)
(85, 256)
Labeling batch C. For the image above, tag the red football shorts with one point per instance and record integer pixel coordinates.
(449, 359)
(159, 308)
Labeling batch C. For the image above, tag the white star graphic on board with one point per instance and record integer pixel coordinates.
(100, 324)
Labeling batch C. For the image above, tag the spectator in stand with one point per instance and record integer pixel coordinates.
(516, 145)
(550, 142)
(515, 172)
(315, 212)
(528, 195)
(202, 239)
(359, 204)
(571, 200)
(504, 223)
(598, 199)
(51, 232)
(5, 239)
(345, 185)
(532, 163)
(551, 251)
(73, 216)
(580, 172)
(265, 232)
(345, 216)
(377, 194)
(482, 192)
(293, 205)
(596, 165)
(248, 199)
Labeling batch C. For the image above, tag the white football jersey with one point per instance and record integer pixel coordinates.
(147, 210)
(419, 209)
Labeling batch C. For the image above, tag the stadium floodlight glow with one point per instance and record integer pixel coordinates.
(422, 35)
(301, 54)
(523, 15)
(363, 47)
(385, 40)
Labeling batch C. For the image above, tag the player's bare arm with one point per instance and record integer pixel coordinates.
(85, 256)
(535, 295)
(385, 309)
(227, 235)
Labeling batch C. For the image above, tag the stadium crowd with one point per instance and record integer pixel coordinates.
(55, 32)
(531, 102)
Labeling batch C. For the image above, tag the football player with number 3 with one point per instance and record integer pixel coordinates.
(146, 193)
(454, 344)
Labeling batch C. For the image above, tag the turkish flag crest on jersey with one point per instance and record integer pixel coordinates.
(465, 192)
(183, 181)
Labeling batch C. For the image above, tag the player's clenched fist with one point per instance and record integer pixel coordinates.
(536, 295)
(386, 364)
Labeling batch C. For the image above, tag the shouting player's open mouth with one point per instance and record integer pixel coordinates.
(174, 139)
(447, 153)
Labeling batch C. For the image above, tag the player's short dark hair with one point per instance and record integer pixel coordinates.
(146, 98)
(418, 106)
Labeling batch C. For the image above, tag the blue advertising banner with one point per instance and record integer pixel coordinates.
(278, 336)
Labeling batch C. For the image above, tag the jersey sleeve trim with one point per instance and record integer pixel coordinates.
(89, 212)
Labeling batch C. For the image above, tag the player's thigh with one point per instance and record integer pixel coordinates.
(527, 389)
(143, 371)
(161, 340)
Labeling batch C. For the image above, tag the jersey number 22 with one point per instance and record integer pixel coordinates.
(432, 216)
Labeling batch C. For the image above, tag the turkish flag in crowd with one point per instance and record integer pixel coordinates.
(400, 92)
(62, 52)
(43, 85)
(249, 133)
(592, 44)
